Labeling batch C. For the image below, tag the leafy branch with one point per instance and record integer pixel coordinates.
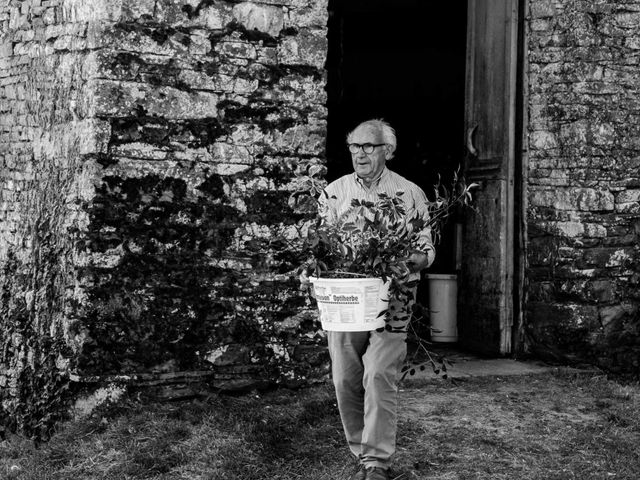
(375, 238)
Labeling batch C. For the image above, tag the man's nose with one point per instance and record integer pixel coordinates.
(360, 153)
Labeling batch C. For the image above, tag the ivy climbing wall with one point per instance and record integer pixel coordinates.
(47, 142)
(149, 151)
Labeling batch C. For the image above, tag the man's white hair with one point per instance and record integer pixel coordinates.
(388, 132)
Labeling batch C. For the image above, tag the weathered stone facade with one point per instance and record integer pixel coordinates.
(583, 275)
(148, 152)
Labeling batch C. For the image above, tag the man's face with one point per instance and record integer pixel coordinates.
(369, 166)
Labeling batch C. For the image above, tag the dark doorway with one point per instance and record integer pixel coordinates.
(403, 61)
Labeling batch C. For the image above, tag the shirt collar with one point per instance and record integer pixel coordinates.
(374, 183)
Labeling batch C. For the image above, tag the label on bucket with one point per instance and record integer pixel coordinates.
(348, 305)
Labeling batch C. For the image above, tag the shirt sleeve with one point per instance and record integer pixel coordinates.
(421, 205)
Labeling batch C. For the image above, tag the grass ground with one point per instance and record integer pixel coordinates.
(558, 426)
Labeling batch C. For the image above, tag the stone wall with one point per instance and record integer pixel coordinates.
(149, 152)
(45, 136)
(583, 275)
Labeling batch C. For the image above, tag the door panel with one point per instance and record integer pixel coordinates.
(486, 280)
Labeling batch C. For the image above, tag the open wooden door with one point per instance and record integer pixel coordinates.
(487, 263)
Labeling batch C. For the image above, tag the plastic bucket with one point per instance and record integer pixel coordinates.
(351, 304)
(443, 309)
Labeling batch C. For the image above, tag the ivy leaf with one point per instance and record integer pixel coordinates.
(349, 227)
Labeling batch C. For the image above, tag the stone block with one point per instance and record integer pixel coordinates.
(560, 326)
(628, 196)
(49, 16)
(542, 9)
(541, 291)
(305, 14)
(123, 99)
(573, 289)
(228, 355)
(631, 207)
(312, 354)
(199, 80)
(585, 199)
(595, 230)
(214, 17)
(309, 47)
(565, 229)
(604, 134)
(574, 133)
(237, 48)
(91, 10)
(140, 150)
(228, 153)
(17, 20)
(300, 139)
(590, 199)
(543, 140)
(6, 48)
(632, 43)
(242, 86)
(619, 258)
(540, 25)
(614, 313)
(140, 41)
(601, 257)
(602, 291)
(263, 18)
(200, 44)
(70, 43)
(628, 20)
(134, 10)
(301, 90)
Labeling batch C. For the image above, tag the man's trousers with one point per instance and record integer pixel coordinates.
(366, 369)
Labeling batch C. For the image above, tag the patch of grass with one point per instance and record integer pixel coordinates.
(560, 426)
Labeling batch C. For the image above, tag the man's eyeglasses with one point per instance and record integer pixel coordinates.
(366, 147)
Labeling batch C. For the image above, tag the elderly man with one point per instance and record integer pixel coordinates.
(366, 365)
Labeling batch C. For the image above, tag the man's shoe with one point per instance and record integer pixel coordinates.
(360, 474)
(376, 473)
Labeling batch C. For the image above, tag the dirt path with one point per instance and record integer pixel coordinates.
(519, 427)
(551, 426)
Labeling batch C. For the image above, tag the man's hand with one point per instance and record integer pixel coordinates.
(417, 261)
(304, 280)
(305, 283)
(412, 264)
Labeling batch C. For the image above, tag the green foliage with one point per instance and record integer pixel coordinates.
(377, 238)
(375, 241)
(170, 298)
(165, 300)
(38, 278)
(30, 340)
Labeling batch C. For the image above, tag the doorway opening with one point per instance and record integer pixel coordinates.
(403, 61)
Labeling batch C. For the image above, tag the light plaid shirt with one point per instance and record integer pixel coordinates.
(337, 205)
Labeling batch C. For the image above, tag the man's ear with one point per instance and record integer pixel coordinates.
(388, 154)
